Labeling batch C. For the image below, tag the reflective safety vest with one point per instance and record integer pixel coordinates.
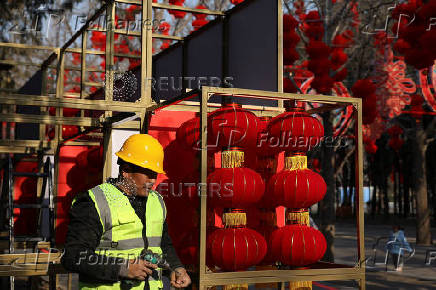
(122, 230)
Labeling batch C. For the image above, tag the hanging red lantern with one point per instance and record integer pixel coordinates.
(235, 187)
(189, 246)
(198, 23)
(295, 131)
(269, 230)
(416, 109)
(200, 15)
(396, 143)
(296, 186)
(70, 112)
(177, 13)
(235, 249)
(67, 112)
(300, 245)
(236, 2)
(164, 28)
(179, 162)
(370, 147)
(25, 192)
(69, 131)
(200, 18)
(233, 126)
(290, 40)
(188, 134)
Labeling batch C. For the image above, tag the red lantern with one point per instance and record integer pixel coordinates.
(232, 126)
(200, 15)
(188, 248)
(198, 23)
(235, 187)
(188, 134)
(235, 249)
(164, 28)
(396, 143)
(25, 192)
(236, 2)
(67, 112)
(179, 162)
(370, 147)
(300, 245)
(295, 131)
(69, 131)
(177, 13)
(416, 109)
(296, 188)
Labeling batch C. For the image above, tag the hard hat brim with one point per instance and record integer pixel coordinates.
(140, 164)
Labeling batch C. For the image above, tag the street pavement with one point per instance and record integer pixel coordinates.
(415, 275)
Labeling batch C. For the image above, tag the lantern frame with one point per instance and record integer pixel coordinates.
(143, 110)
(320, 271)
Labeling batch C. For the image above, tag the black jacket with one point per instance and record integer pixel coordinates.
(83, 237)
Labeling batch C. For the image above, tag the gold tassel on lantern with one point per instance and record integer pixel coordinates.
(233, 219)
(236, 287)
(232, 159)
(296, 162)
(300, 217)
(300, 285)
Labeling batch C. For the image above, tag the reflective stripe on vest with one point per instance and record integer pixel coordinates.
(122, 229)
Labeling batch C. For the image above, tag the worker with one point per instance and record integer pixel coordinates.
(113, 222)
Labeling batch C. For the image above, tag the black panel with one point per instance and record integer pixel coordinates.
(167, 74)
(27, 131)
(204, 58)
(253, 47)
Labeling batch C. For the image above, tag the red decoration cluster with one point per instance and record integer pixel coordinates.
(416, 109)
(236, 2)
(395, 142)
(177, 13)
(365, 89)
(370, 146)
(416, 38)
(290, 40)
(200, 19)
(326, 62)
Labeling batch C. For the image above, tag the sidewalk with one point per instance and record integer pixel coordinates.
(415, 275)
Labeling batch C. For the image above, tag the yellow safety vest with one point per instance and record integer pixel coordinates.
(122, 230)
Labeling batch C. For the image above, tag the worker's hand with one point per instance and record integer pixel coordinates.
(139, 269)
(180, 278)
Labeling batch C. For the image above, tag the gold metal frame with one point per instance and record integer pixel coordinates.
(320, 271)
(146, 106)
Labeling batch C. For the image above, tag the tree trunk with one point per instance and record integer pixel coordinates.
(327, 205)
(423, 234)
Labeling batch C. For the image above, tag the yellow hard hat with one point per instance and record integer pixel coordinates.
(144, 151)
